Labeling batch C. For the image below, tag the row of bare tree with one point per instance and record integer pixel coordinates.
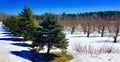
(101, 22)
(90, 25)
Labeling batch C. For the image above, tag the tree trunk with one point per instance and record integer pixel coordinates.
(88, 34)
(49, 47)
(102, 33)
(84, 29)
(116, 35)
(73, 29)
(109, 29)
(115, 39)
(98, 29)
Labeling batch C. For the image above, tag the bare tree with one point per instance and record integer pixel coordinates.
(117, 26)
(69, 22)
(103, 26)
(83, 24)
(73, 23)
(90, 27)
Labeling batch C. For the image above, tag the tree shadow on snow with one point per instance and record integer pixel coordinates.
(11, 39)
(21, 44)
(33, 56)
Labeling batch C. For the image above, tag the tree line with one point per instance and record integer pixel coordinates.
(43, 29)
(91, 22)
(101, 22)
(47, 33)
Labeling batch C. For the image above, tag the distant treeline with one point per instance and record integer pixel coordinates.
(101, 22)
(108, 15)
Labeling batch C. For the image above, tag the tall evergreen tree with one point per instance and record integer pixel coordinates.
(50, 33)
(26, 23)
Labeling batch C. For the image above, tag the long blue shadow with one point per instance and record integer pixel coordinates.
(29, 56)
(21, 44)
(24, 54)
(11, 39)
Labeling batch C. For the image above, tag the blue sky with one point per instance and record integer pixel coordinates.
(59, 6)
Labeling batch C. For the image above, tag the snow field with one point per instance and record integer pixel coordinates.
(93, 48)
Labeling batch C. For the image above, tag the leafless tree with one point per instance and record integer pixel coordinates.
(117, 26)
(83, 24)
(88, 25)
(69, 22)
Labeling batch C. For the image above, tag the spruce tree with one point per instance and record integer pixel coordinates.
(49, 33)
(26, 23)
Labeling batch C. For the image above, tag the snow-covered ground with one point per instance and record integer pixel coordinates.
(15, 51)
(93, 49)
(11, 51)
(83, 49)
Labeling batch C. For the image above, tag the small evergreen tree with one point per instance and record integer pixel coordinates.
(49, 33)
(26, 23)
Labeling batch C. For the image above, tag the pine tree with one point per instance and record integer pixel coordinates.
(50, 33)
(26, 23)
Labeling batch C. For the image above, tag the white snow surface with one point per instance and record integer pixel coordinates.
(15, 51)
(93, 48)
(83, 49)
(7, 50)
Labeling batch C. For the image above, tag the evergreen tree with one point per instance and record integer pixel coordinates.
(26, 23)
(50, 33)
(12, 23)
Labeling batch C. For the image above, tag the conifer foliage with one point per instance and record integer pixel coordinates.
(49, 33)
(22, 25)
(26, 23)
(12, 24)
